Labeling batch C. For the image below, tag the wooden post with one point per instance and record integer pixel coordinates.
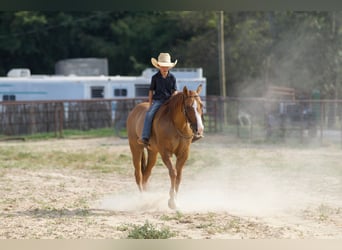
(61, 120)
(322, 123)
(222, 67)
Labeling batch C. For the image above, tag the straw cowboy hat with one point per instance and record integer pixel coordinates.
(164, 60)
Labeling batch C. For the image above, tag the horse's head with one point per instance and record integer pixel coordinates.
(193, 109)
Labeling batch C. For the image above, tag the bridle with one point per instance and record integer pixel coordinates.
(187, 118)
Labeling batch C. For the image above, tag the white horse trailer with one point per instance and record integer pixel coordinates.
(20, 85)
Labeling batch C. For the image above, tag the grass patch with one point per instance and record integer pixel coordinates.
(99, 160)
(149, 231)
(177, 216)
(12, 157)
(103, 132)
(72, 133)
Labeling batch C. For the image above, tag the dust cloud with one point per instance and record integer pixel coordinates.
(256, 191)
(252, 188)
(292, 61)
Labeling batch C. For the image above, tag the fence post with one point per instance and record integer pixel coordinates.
(237, 120)
(340, 113)
(322, 123)
(251, 128)
(301, 120)
(218, 122)
(56, 120)
(61, 121)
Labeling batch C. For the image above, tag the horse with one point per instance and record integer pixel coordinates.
(173, 129)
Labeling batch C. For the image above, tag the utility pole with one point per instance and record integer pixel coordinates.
(222, 70)
(222, 67)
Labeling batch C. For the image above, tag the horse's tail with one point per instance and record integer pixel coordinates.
(143, 161)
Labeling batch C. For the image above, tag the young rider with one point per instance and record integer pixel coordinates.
(163, 86)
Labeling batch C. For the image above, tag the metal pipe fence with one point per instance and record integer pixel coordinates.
(272, 120)
(246, 119)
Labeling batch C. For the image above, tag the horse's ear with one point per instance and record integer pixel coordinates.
(185, 91)
(199, 89)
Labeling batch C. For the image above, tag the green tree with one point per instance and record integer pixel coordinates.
(295, 49)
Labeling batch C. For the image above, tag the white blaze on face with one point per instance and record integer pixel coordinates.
(200, 126)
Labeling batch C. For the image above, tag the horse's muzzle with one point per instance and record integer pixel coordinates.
(200, 131)
(197, 130)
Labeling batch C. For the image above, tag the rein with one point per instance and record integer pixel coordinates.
(187, 120)
(184, 136)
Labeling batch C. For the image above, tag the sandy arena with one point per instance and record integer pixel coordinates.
(85, 189)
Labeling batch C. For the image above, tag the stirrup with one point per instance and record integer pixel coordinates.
(143, 142)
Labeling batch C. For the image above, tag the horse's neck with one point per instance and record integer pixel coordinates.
(178, 117)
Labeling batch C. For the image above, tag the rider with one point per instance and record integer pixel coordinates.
(163, 86)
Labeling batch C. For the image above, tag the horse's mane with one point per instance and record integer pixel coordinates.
(172, 103)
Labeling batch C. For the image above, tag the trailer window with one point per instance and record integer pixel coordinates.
(8, 97)
(97, 92)
(120, 92)
(142, 90)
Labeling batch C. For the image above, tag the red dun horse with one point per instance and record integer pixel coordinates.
(173, 128)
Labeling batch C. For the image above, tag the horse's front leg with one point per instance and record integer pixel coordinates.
(173, 175)
(181, 159)
(173, 193)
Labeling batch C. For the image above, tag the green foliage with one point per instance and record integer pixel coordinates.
(295, 49)
(148, 231)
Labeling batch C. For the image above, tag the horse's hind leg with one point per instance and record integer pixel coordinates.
(151, 161)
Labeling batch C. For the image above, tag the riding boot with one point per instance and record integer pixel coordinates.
(143, 142)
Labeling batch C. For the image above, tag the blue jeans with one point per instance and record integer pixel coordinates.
(149, 118)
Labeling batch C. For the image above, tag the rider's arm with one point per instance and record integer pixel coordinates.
(150, 94)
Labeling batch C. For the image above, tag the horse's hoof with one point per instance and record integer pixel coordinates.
(172, 204)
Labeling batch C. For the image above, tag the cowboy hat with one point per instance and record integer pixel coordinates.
(164, 60)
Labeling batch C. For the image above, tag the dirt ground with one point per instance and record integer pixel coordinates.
(228, 191)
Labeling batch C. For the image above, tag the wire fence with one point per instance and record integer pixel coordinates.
(247, 119)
